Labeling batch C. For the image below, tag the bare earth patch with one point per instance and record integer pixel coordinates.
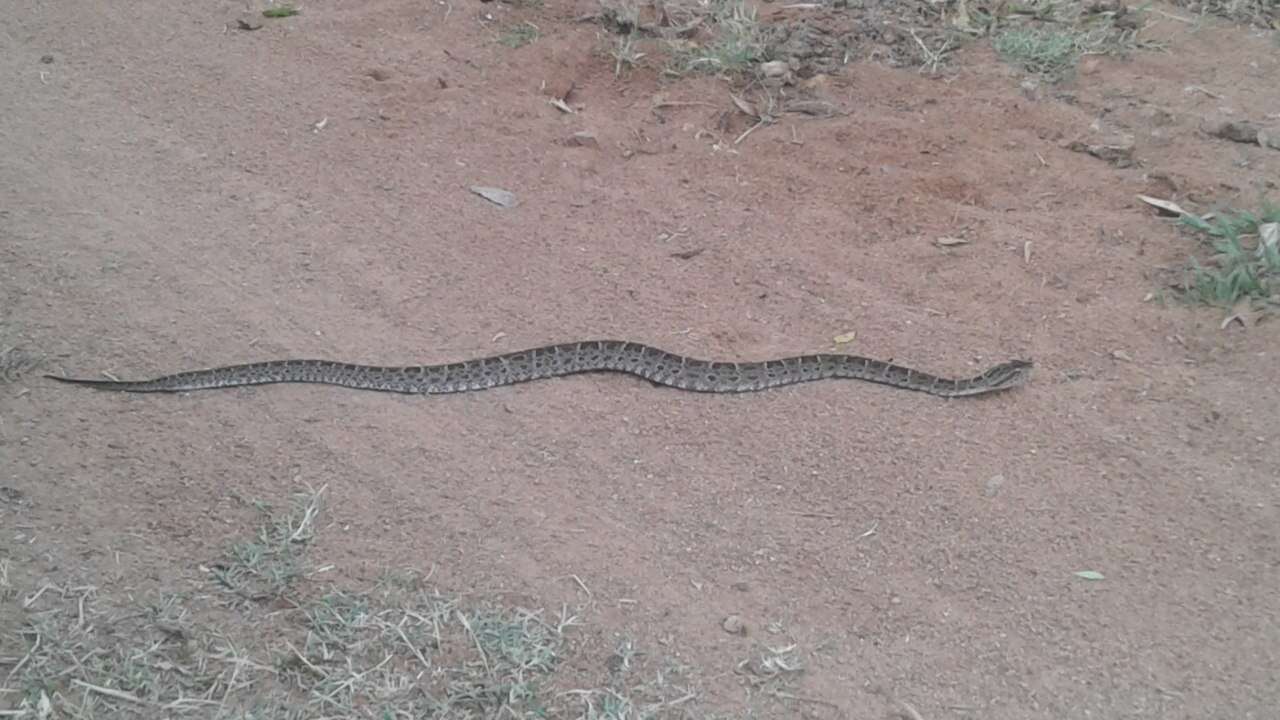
(944, 184)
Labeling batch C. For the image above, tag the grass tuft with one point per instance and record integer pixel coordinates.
(266, 567)
(1039, 51)
(281, 11)
(517, 36)
(1245, 260)
(1048, 37)
(738, 43)
(1260, 13)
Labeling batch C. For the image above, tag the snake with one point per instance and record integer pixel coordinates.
(650, 363)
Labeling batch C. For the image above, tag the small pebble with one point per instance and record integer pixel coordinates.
(734, 625)
(993, 486)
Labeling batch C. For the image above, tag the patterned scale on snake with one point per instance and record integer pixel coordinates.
(657, 366)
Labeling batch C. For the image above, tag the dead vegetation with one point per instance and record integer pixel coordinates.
(1258, 13)
(296, 648)
(734, 40)
(1242, 271)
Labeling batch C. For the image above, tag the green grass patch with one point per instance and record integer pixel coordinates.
(1260, 13)
(1040, 51)
(517, 36)
(737, 43)
(281, 11)
(266, 566)
(1048, 37)
(1244, 259)
(398, 649)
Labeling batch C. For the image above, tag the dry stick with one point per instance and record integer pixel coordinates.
(801, 698)
(584, 587)
(418, 654)
(681, 103)
(305, 661)
(933, 58)
(750, 130)
(483, 657)
(118, 694)
(29, 601)
(24, 660)
(681, 700)
(909, 711)
(184, 703)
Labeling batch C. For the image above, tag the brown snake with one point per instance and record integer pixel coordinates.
(657, 366)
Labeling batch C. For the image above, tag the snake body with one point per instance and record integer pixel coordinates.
(657, 366)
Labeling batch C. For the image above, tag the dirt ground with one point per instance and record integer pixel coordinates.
(178, 193)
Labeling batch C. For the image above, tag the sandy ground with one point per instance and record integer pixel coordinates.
(176, 193)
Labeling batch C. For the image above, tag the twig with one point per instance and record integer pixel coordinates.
(932, 58)
(582, 585)
(800, 698)
(909, 711)
(479, 648)
(305, 661)
(1171, 16)
(24, 660)
(117, 694)
(414, 648)
(750, 130)
(680, 103)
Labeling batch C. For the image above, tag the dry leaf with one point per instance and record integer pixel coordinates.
(845, 338)
(1243, 312)
(774, 68)
(1026, 252)
(1165, 205)
(745, 106)
(498, 196)
(734, 625)
(1268, 236)
(583, 139)
(951, 241)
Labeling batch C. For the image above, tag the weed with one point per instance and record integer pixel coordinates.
(738, 43)
(281, 11)
(1245, 262)
(1043, 52)
(624, 54)
(1260, 13)
(14, 362)
(520, 35)
(398, 650)
(265, 567)
(1049, 37)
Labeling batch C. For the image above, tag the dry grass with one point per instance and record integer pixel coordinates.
(1048, 37)
(285, 647)
(15, 362)
(1259, 13)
